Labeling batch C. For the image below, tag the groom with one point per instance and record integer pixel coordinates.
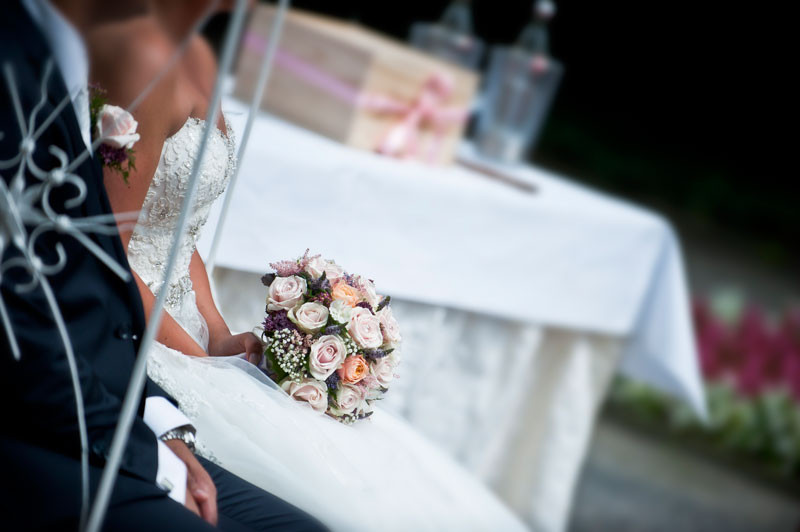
(161, 485)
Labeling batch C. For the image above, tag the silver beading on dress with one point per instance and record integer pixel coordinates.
(150, 242)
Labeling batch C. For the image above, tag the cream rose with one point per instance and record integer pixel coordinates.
(286, 292)
(117, 127)
(389, 327)
(349, 398)
(311, 391)
(368, 289)
(309, 317)
(327, 354)
(365, 328)
(340, 311)
(316, 267)
(333, 272)
(383, 370)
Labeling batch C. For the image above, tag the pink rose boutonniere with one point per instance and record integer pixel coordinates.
(116, 129)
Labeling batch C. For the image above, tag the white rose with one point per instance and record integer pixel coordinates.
(389, 326)
(365, 328)
(333, 272)
(340, 311)
(313, 392)
(326, 355)
(117, 127)
(309, 317)
(286, 292)
(349, 398)
(316, 267)
(368, 288)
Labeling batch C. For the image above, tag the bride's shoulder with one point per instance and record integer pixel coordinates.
(126, 56)
(200, 64)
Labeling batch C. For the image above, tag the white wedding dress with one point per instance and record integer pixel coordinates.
(378, 474)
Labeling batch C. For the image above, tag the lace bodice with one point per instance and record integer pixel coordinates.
(150, 242)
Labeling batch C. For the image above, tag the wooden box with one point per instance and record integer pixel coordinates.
(357, 87)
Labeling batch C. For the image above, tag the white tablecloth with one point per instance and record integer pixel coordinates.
(565, 256)
(516, 308)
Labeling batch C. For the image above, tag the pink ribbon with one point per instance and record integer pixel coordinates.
(402, 139)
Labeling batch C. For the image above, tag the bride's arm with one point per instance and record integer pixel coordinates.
(170, 333)
(123, 72)
(221, 341)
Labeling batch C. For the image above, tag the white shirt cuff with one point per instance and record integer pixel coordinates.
(171, 474)
(162, 416)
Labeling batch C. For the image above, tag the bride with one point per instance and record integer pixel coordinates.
(376, 474)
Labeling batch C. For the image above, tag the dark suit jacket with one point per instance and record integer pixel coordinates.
(103, 314)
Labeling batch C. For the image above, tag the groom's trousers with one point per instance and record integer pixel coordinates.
(41, 491)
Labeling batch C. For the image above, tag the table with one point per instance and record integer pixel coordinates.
(516, 308)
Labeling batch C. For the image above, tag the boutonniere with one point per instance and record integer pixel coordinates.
(116, 129)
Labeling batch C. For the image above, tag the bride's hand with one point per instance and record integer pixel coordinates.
(253, 347)
(238, 343)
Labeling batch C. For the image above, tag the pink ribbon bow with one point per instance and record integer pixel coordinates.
(402, 139)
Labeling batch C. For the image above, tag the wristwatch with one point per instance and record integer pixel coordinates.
(184, 433)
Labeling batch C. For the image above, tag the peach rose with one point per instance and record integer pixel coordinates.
(344, 292)
(311, 391)
(354, 369)
(117, 127)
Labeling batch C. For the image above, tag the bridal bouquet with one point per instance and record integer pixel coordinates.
(329, 338)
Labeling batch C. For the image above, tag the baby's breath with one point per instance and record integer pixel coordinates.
(291, 352)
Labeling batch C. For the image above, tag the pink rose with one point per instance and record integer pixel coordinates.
(389, 326)
(309, 317)
(383, 370)
(286, 292)
(333, 272)
(316, 267)
(117, 127)
(327, 354)
(365, 328)
(349, 398)
(313, 392)
(368, 289)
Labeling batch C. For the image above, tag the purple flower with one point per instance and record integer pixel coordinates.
(375, 354)
(366, 305)
(323, 297)
(333, 329)
(333, 381)
(276, 321)
(320, 285)
(384, 302)
(112, 156)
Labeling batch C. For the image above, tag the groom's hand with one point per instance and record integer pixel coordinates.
(201, 494)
